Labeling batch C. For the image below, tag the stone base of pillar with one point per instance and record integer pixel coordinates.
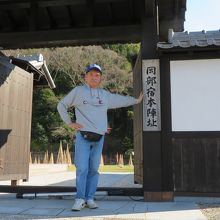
(158, 196)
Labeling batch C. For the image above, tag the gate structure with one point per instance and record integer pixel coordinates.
(191, 63)
(15, 117)
(16, 89)
(50, 23)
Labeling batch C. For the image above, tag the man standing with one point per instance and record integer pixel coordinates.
(91, 104)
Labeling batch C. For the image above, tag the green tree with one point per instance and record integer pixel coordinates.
(46, 122)
(130, 51)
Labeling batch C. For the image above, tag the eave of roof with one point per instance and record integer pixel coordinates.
(27, 66)
(191, 39)
(50, 23)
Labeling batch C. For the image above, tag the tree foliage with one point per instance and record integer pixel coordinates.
(130, 51)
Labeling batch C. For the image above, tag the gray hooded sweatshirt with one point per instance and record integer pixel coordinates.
(91, 107)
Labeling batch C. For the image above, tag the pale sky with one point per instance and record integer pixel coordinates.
(202, 15)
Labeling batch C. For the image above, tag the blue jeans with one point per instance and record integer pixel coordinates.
(87, 160)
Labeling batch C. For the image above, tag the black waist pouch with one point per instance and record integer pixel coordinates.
(91, 136)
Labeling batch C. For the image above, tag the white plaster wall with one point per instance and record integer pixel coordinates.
(195, 95)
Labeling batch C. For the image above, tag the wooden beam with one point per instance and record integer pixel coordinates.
(42, 3)
(152, 140)
(131, 9)
(109, 9)
(150, 6)
(70, 15)
(71, 37)
(158, 196)
(32, 17)
(55, 1)
(165, 25)
(6, 4)
(112, 191)
(90, 12)
(166, 137)
(51, 19)
(11, 19)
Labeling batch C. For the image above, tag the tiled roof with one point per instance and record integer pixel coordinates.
(191, 39)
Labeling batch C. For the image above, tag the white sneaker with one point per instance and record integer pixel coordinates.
(91, 204)
(78, 205)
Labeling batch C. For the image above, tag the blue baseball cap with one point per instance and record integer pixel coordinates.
(93, 67)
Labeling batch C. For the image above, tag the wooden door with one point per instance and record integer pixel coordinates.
(16, 90)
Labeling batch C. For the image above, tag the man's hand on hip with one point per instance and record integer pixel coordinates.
(75, 126)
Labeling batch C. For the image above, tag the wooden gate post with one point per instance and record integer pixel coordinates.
(153, 141)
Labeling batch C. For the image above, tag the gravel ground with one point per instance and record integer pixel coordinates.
(211, 210)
